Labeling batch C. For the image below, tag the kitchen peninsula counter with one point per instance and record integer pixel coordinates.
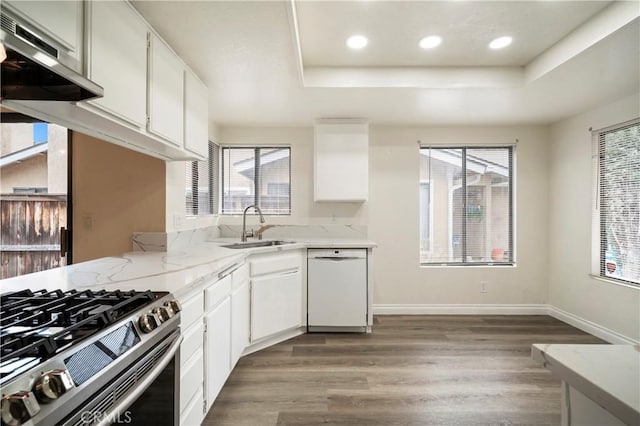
(607, 375)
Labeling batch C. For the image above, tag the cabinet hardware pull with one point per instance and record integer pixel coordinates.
(228, 270)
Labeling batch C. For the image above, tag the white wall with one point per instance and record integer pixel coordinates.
(570, 199)
(392, 212)
(393, 223)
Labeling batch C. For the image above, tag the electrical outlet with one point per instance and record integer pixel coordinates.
(177, 221)
(483, 287)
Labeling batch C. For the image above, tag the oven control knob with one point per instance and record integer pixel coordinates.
(18, 408)
(163, 313)
(173, 305)
(148, 323)
(52, 385)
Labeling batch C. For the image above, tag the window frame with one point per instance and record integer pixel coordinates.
(256, 178)
(599, 244)
(512, 219)
(429, 224)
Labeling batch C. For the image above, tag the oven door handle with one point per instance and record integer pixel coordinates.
(143, 384)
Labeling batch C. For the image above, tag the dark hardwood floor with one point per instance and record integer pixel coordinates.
(412, 370)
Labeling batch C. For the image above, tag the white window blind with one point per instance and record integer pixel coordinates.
(466, 206)
(256, 176)
(618, 202)
(201, 187)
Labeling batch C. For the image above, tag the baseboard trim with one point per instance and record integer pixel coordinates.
(507, 309)
(591, 327)
(460, 309)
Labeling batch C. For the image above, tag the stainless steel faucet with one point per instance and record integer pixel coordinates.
(249, 233)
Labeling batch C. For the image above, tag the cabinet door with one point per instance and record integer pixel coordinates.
(196, 115)
(341, 162)
(166, 93)
(217, 358)
(59, 20)
(276, 304)
(118, 59)
(240, 313)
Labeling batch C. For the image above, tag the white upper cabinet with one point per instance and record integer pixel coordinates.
(166, 92)
(117, 59)
(59, 21)
(196, 115)
(341, 156)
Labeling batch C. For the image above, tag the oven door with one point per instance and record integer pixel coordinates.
(147, 392)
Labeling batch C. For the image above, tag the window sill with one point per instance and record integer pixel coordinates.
(199, 216)
(451, 265)
(614, 281)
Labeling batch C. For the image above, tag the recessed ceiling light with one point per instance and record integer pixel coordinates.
(500, 42)
(430, 42)
(357, 41)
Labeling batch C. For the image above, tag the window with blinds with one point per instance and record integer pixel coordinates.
(466, 206)
(256, 176)
(201, 189)
(618, 202)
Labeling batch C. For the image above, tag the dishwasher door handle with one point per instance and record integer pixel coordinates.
(335, 259)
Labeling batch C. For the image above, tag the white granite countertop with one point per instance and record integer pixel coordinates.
(607, 374)
(175, 272)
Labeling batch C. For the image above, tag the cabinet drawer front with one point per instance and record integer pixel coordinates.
(192, 310)
(191, 379)
(240, 276)
(192, 414)
(275, 264)
(215, 293)
(193, 340)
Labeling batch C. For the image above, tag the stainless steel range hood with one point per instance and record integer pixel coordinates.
(32, 69)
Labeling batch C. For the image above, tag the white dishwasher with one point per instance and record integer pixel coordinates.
(337, 289)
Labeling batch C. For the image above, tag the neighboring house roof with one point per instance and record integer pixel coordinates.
(474, 164)
(23, 154)
(248, 164)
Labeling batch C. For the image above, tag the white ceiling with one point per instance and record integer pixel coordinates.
(261, 71)
(394, 29)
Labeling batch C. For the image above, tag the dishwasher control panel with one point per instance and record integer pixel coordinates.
(341, 253)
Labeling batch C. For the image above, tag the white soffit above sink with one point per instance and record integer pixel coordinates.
(545, 35)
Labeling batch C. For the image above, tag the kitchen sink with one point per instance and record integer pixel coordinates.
(253, 244)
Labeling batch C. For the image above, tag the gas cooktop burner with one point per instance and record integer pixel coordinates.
(35, 325)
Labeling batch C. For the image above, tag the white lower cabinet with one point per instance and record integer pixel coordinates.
(276, 294)
(276, 303)
(240, 312)
(192, 358)
(217, 338)
(222, 316)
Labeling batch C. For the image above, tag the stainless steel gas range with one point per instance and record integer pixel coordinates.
(89, 358)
